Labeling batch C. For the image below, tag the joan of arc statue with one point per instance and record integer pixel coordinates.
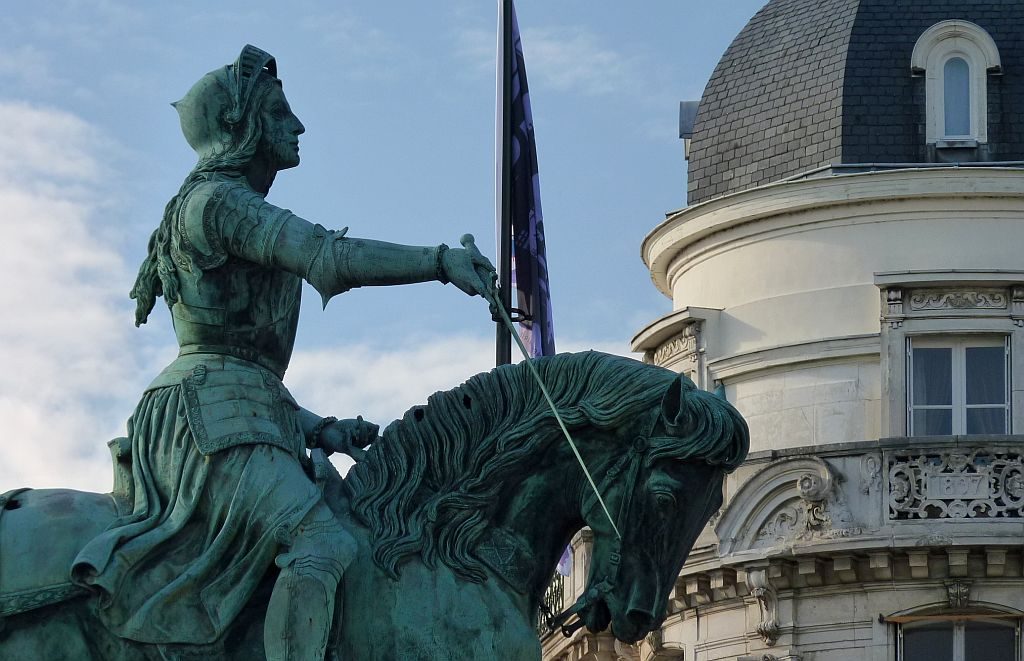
(219, 445)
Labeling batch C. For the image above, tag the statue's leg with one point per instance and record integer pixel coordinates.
(301, 607)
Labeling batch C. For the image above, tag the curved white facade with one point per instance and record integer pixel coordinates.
(846, 530)
(791, 271)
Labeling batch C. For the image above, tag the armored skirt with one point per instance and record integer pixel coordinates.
(205, 526)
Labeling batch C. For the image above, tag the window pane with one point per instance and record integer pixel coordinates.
(933, 376)
(928, 642)
(989, 641)
(986, 421)
(933, 422)
(986, 381)
(957, 96)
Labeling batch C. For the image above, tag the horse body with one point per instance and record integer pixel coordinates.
(424, 611)
(429, 613)
(460, 513)
(41, 532)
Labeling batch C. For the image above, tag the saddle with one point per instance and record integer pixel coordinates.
(42, 530)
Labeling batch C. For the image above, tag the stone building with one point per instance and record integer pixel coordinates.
(850, 271)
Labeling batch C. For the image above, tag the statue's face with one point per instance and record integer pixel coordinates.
(281, 130)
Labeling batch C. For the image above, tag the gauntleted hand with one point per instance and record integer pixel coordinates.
(469, 271)
(349, 436)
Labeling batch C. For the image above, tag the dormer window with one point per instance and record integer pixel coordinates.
(956, 58)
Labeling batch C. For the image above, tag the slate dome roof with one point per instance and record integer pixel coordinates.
(808, 83)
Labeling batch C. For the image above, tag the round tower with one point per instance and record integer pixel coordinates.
(850, 274)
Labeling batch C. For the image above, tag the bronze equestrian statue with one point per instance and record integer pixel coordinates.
(225, 539)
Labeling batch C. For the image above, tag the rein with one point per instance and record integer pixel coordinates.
(631, 463)
(634, 458)
(467, 242)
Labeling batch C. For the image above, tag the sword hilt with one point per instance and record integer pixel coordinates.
(491, 296)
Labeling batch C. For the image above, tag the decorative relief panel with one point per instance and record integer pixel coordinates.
(683, 345)
(974, 299)
(818, 512)
(790, 501)
(956, 485)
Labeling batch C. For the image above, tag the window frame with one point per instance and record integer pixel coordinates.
(947, 134)
(959, 344)
(938, 45)
(954, 315)
(959, 632)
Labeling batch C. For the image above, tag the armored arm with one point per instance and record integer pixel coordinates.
(334, 263)
(229, 219)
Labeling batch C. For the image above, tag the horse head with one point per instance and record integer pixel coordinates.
(661, 487)
(482, 480)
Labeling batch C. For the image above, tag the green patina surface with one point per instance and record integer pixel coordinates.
(229, 535)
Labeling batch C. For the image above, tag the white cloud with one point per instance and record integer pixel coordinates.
(574, 59)
(70, 372)
(567, 59)
(27, 66)
(85, 26)
(363, 51)
(381, 384)
(73, 365)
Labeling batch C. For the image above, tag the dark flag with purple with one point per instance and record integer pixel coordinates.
(523, 263)
(529, 259)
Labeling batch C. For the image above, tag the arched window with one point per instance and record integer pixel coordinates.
(956, 94)
(956, 57)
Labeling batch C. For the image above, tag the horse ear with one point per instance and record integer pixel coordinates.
(670, 402)
(675, 408)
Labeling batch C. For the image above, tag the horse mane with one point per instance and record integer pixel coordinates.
(430, 485)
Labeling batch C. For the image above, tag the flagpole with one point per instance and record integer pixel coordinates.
(503, 339)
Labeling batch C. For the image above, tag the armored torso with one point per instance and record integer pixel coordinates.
(227, 304)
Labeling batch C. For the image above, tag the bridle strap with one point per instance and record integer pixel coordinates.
(633, 462)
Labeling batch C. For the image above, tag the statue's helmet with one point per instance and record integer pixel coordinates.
(216, 114)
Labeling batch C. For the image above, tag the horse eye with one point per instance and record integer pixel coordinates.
(666, 502)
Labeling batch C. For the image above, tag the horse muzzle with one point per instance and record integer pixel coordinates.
(636, 624)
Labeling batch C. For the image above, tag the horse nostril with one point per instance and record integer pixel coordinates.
(640, 618)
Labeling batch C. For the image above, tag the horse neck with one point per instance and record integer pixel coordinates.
(544, 513)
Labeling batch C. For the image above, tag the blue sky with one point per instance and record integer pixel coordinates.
(398, 102)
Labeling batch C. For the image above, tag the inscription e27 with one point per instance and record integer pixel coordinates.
(963, 485)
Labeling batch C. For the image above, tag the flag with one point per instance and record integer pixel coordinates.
(529, 255)
(529, 268)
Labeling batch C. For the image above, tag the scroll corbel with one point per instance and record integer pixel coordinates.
(768, 602)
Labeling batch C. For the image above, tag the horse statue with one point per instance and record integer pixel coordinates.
(461, 512)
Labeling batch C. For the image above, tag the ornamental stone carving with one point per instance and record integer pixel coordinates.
(870, 472)
(791, 500)
(974, 299)
(959, 484)
(684, 345)
(768, 603)
(959, 593)
(1017, 305)
(820, 511)
(893, 310)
